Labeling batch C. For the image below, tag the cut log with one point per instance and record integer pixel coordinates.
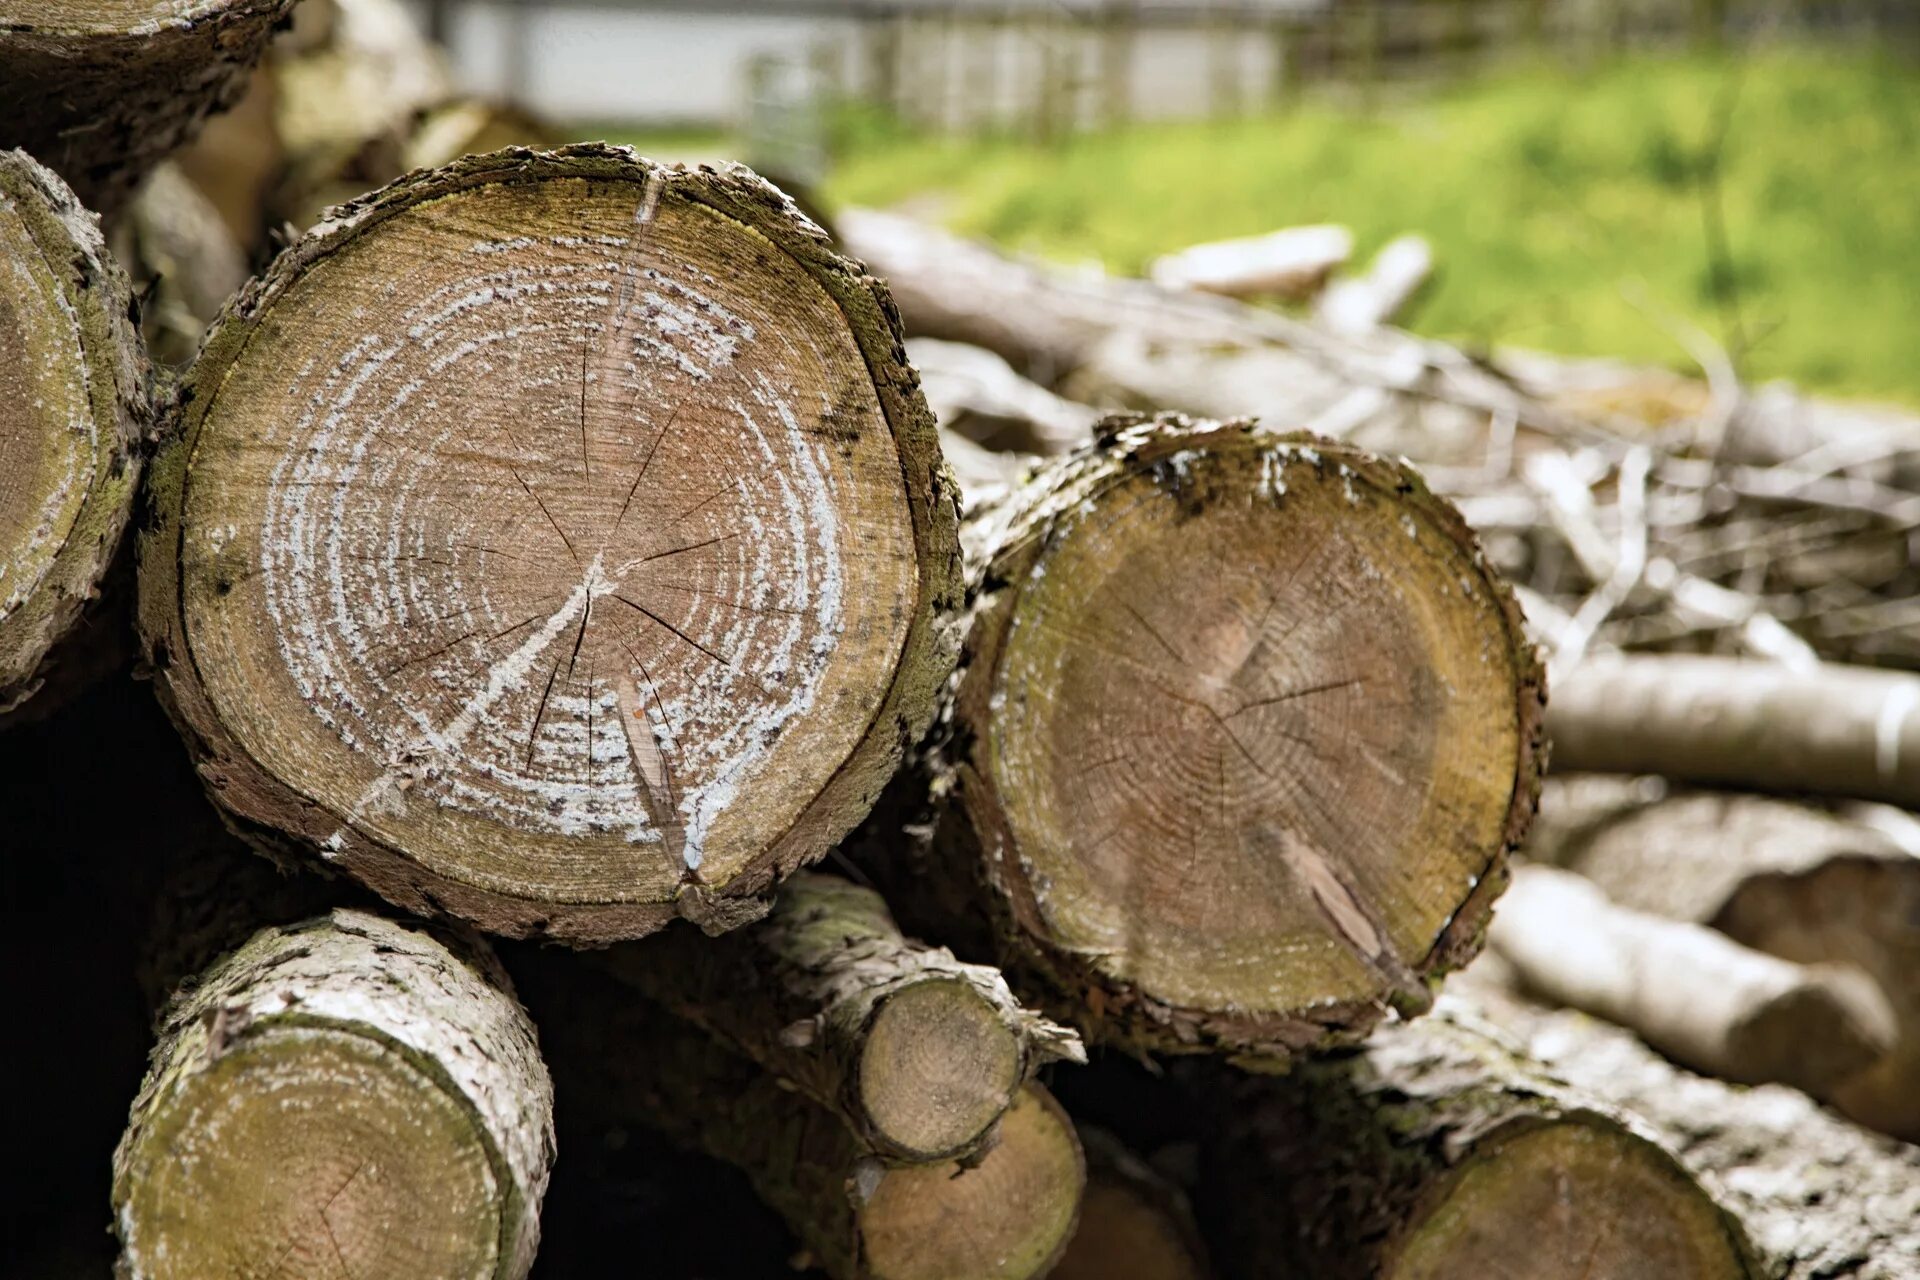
(554, 540)
(1440, 1153)
(1840, 731)
(919, 1054)
(340, 1096)
(184, 259)
(1694, 994)
(102, 90)
(626, 1061)
(1245, 730)
(975, 393)
(1819, 1197)
(75, 409)
(1782, 878)
(1133, 1222)
(1048, 322)
(1359, 304)
(1292, 263)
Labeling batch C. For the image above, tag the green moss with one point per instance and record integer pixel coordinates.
(1564, 207)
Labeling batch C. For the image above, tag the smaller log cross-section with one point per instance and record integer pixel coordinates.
(554, 540)
(918, 1053)
(341, 1096)
(1245, 729)
(75, 407)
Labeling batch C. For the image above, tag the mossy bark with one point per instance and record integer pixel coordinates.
(919, 1054)
(102, 92)
(340, 1094)
(626, 1061)
(1244, 730)
(1439, 1151)
(803, 656)
(75, 413)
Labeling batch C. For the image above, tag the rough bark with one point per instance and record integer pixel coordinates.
(344, 1095)
(1694, 994)
(919, 1054)
(1244, 730)
(1837, 730)
(1440, 1152)
(1818, 1196)
(1780, 877)
(624, 1060)
(102, 90)
(75, 410)
(1133, 1222)
(183, 258)
(585, 559)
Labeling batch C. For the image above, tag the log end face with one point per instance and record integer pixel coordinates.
(1125, 1231)
(72, 402)
(309, 1149)
(541, 534)
(1569, 1200)
(1258, 726)
(1006, 1218)
(938, 1067)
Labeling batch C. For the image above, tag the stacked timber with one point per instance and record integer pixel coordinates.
(560, 545)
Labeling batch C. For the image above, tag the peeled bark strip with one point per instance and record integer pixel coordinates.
(1133, 1222)
(1819, 1197)
(919, 1054)
(625, 1061)
(101, 90)
(554, 540)
(1696, 995)
(1440, 1154)
(340, 1096)
(74, 410)
(1845, 731)
(1782, 878)
(1244, 732)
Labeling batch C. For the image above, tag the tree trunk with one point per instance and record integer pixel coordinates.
(1818, 1196)
(75, 407)
(340, 1096)
(1842, 731)
(1244, 732)
(101, 90)
(919, 1054)
(1133, 1222)
(1783, 878)
(1438, 1153)
(1695, 995)
(626, 1061)
(554, 540)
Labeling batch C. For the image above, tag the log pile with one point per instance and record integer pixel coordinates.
(559, 546)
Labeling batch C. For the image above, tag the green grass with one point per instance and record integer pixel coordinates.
(1563, 207)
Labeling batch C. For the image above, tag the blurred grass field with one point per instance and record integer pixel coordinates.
(1565, 208)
